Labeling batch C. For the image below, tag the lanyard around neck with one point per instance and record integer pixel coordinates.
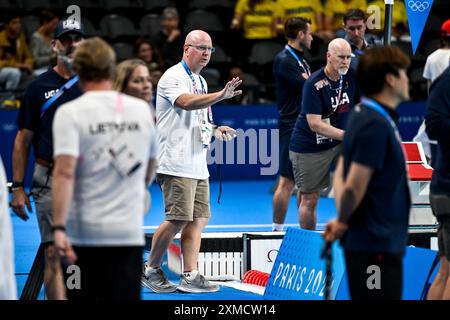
(341, 84)
(194, 84)
(66, 86)
(372, 104)
(300, 63)
(340, 89)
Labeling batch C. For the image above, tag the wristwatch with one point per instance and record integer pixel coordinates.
(58, 227)
(16, 185)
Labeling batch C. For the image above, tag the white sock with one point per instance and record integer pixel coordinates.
(191, 275)
(150, 269)
(277, 227)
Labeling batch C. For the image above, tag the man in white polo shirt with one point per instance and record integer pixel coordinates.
(184, 122)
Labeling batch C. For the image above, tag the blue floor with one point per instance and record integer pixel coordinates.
(245, 206)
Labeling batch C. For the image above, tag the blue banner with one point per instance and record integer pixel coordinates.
(299, 271)
(417, 12)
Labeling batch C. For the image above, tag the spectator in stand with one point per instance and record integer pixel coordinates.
(145, 50)
(399, 19)
(259, 20)
(335, 11)
(249, 87)
(16, 61)
(312, 10)
(170, 40)
(41, 42)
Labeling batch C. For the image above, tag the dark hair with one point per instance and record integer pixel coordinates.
(375, 64)
(294, 25)
(46, 16)
(445, 39)
(354, 14)
(7, 18)
(156, 54)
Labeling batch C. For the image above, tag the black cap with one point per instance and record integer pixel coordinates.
(68, 25)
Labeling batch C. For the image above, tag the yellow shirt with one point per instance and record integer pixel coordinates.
(338, 8)
(301, 8)
(23, 53)
(259, 22)
(398, 14)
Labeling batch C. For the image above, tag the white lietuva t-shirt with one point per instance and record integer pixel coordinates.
(181, 152)
(107, 208)
(8, 289)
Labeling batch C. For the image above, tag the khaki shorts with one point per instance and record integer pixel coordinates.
(185, 198)
(42, 196)
(312, 170)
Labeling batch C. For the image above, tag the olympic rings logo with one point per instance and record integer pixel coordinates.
(420, 6)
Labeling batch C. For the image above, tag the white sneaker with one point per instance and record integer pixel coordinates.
(156, 280)
(197, 284)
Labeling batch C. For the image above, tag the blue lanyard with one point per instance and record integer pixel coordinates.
(372, 104)
(300, 63)
(189, 72)
(58, 94)
(341, 86)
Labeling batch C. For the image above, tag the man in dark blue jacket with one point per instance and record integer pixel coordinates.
(42, 98)
(437, 121)
(371, 186)
(290, 71)
(328, 96)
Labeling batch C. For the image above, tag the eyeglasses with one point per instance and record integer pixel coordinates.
(202, 48)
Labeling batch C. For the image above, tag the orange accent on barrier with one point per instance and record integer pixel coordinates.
(173, 248)
(418, 172)
(412, 152)
(256, 277)
(416, 163)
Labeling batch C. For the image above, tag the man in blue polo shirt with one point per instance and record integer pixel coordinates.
(437, 121)
(290, 71)
(328, 96)
(355, 33)
(42, 98)
(371, 186)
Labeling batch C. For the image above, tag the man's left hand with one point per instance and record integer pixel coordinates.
(230, 89)
(334, 230)
(64, 247)
(225, 133)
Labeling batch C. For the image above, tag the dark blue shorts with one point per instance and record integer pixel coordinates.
(285, 163)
